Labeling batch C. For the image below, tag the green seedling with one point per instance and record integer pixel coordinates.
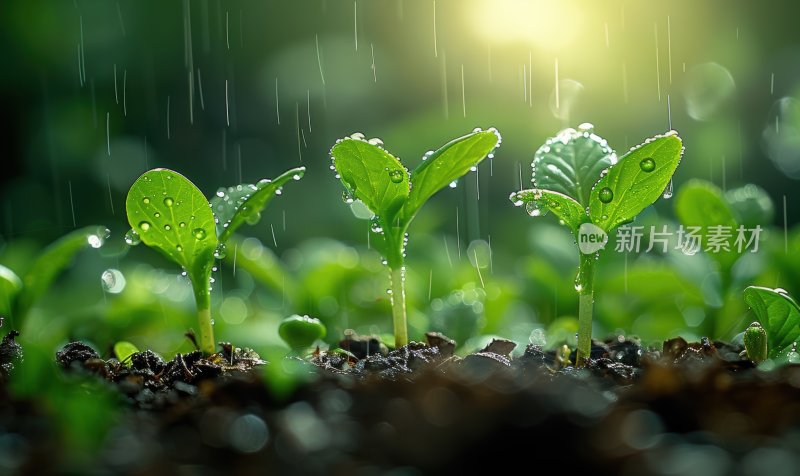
(755, 342)
(578, 178)
(124, 350)
(169, 213)
(375, 177)
(299, 332)
(17, 296)
(779, 316)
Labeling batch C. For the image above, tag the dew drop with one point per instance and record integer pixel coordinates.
(179, 248)
(647, 165)
(144, 226)
(168, 201)
(132, 238)
(113, 281)
(146, 200)
(182, 224)
(533, 209)
(605, 195)
(95, 241)
(668, 191)
(454, 184)
(157, 215)
(168, 227)
(221, 251)
(199, 233)
(396, 175)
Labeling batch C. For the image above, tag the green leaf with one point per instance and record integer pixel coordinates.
(635, 182)
(571, 163)
(171, 215)
(445, 165)
(10, 286)
(372, 175)
(243, 203)
(299, 332)
(565, 208)
(124, 350)
(778, 313)
(52, 261)
(702, 204)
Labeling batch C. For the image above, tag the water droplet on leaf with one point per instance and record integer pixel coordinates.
(145, 200)
(221, 251)
(144, 226)
(396, 175)
(647, 165)
(199, 233)
(113, 281)
(132, 238)
(168, 201)
(605, 195)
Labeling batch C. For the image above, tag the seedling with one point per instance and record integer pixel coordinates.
(17, 296)
(578, 177)
(755, 342)
(169, 213)
(779, 316)
(299, 332)
(124, 350)
(378, 179)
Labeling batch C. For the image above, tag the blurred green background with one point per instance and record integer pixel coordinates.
(95, 93)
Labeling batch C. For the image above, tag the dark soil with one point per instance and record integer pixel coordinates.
(688, 408)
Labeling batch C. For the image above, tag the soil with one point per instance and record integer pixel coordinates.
(687, 408)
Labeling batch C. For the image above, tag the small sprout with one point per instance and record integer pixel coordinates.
(124, 350)
(778, 316)
(192, 232)
(299, 332)
(377, 179)
(562, 357)
(579, 178)
(755, 342)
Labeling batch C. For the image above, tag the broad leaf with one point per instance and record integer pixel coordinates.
(571, 163)
(10, 286)
(445, 165)
(635, 182)
(124, 350)
(171, 215)
(701, 204)
(778, 313)
(52, 261)
(243, 203)
(565, 208)
(372, 175)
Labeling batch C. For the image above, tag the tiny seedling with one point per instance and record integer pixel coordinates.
(779, 316)
(578, 177)
(169, 213)
(755, 342)
(299, 332)
(123, 350)
(378, 179)
(17, 296)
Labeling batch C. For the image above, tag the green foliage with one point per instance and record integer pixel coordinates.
(378, 179)
(577, 177)
(124, 350)
(702, 204)
(243, 203)
(299, 332)
(169, 213)
(10, 286)
(778, 314)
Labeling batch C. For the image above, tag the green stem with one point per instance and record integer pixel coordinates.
(202, 296)
(399, 306)
(585, 287)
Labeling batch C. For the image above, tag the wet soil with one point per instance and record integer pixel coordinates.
(686, 408)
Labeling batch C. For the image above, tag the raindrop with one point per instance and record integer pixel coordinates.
(396, 175)
(534, 210)
(668, 191)
(146, 200)
(168, 201)
(538, 337)
(454, 184)
(168, 227)
(157, 215)
(179, 248)
(95, 241)
(347, 197)
(375, 141)
(182, 224)
(144, 226)
(221, 251)
(199, 233)
(376, 227)
(113, 281)
(647, 165)
(605, 195)
(132, 238)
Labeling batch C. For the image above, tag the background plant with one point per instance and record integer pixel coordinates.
(378, 179)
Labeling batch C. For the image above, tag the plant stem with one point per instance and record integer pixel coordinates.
(399, 306)
(585, 287)
(202, 296)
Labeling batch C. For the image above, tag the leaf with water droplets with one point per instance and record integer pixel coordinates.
(702, 204)
(632, 184)
(372, 175)
(157, 203)
(10, 286)
(565, 208)
(778, 313)
(446, 165)
(52, 261)
(571, 163)
(243, 203)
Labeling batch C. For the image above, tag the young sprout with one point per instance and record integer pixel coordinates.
(779, 318)
(169, 213)
(124, 350)
(578, 177)
(378, 179)
(299, 332)
(755, 342)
